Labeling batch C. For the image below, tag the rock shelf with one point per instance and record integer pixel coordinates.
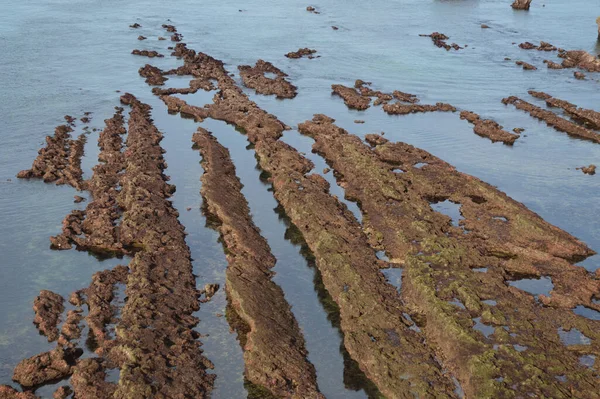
(274, 350)
(551, 119)
(254, 78)
(488, 128)
(442, 263)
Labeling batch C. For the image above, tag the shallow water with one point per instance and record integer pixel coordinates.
(70, 56)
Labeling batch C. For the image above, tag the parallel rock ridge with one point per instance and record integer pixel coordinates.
(156, 348)
(471, 264)
(551, 119)
(377, 331)
(274, 349)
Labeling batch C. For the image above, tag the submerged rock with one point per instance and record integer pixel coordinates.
(521, 4)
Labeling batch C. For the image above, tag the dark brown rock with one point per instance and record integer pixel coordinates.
(48, 307)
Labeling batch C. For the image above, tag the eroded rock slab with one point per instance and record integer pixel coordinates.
(303, 52)
(488, 128)
(439, 40)
(551, 119)
(587, 117)
(46, 367)
(352, 97)
(60, 160)
(255, 78)
(274, 349)
(470, 263)
(48, 306)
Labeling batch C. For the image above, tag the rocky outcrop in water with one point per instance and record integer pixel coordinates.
(439, 40)
(488, 128)
(303, 52)
(255, 78)
(274, 350)
(551, 119)
(588, 170)
(147, 53)
(521, 4)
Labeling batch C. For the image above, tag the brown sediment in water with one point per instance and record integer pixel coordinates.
(551, 119)
(521, 4)
(147, 53)
(60, 160)
(303, 52)
(488, 128)
(352, 97)
(439, 40)
(498, 234)
(587, 117)
(274, 349)
(48, 306)
(254, 78)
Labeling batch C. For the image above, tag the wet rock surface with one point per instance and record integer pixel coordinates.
(255, 78)
(303, 52)
(488, 128)
(526, 66)
(60, 160)
(8, 392)
(551, 119)
(439, 261)
(580, 59)
(153, 75)
(544, 46)
(147, 53)
(586, 117)
(588, 170)
(46, 367)
(352, 97)
(48, 307)
(439, 40)
(274, 350)
(521, 4)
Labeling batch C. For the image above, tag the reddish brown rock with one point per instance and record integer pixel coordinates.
(60, 160)
(439, 258)
(153, 75)
(62, 392)
(553, 65)
(439, 40)
(8, 392)
(580, 59)
(521, 4)
(48, 307)
(147, 53)
(169, 28)
(255, 78)
(375, 139)
(587, 117)
(140, 37)
(579, 75)
(303, 52)
(312, 9)
(488, 128)
(274, 349)
(551, 119)
(404, 109)
(46, 367)
(588, 170)
(352, 97)
(89, 380)
(526, 66)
